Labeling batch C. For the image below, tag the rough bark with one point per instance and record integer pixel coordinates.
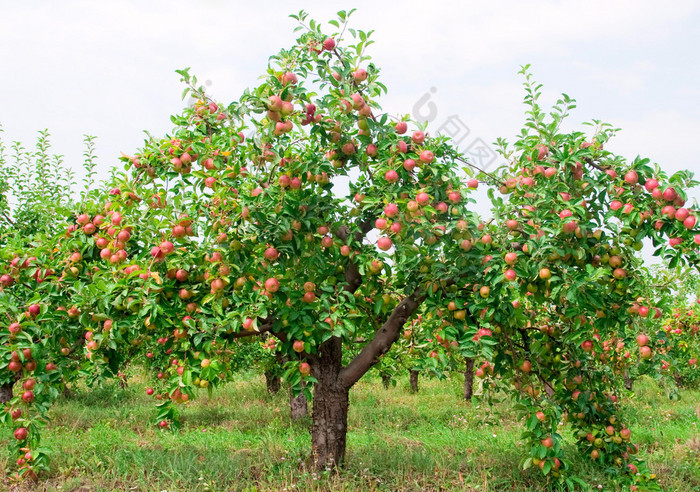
(272, 381)
(382, 341)
(469, 379)
(413, 378)
(298, 406)
(386, 380)
(6, 392)
(330, 408)
(331, 392)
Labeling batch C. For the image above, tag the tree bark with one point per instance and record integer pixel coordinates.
(6, 392)
(382, 341)
(298, 406)
(386, 380)
(330, 408)
(413, 378)
(331, 392)
(272, 382)
(469, 379)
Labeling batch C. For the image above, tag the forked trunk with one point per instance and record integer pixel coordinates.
(6, 392)
(272, 381)
(331, 392)
(330, 408)
(298, 406)
(469, 379)
(413, 378)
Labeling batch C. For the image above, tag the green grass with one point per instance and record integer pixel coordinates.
(242, 439)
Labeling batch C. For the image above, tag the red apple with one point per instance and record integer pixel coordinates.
(360, 75)
(384, 243)
(272, 285)
(329, 44)
(167, 247)
(427, 156)
(423, 198)
(631, 177)
(642, 340)
(670, 194)
(391, 210)
(391, 176)
(645, 352)
(289, 78)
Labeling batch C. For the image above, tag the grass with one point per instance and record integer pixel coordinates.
(242, 439)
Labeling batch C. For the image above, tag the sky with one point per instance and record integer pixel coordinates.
(107, 68)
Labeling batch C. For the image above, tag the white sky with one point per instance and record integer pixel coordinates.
(107, 68)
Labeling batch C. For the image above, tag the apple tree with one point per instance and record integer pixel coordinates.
(293, 211)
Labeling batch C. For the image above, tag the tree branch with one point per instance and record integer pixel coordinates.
(590, 162)
(261, 329)
(382, 341)
(8, 219)
(492, 176)
(353, 278)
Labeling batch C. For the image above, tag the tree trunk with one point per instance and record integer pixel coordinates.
(298, 406)
(331, 392)
(629, 382)
(469, 379)
(413, 378)
(6, 392)
(386, 379)
(330, 408)
(272, 381)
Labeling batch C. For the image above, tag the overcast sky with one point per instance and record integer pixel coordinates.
(107, 68)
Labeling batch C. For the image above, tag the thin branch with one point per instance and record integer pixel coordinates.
(7, 218)
(590, 162)
(492, 176)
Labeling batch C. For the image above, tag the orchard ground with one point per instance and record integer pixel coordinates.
(242, 439)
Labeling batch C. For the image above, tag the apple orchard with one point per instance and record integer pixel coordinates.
(208, 237)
